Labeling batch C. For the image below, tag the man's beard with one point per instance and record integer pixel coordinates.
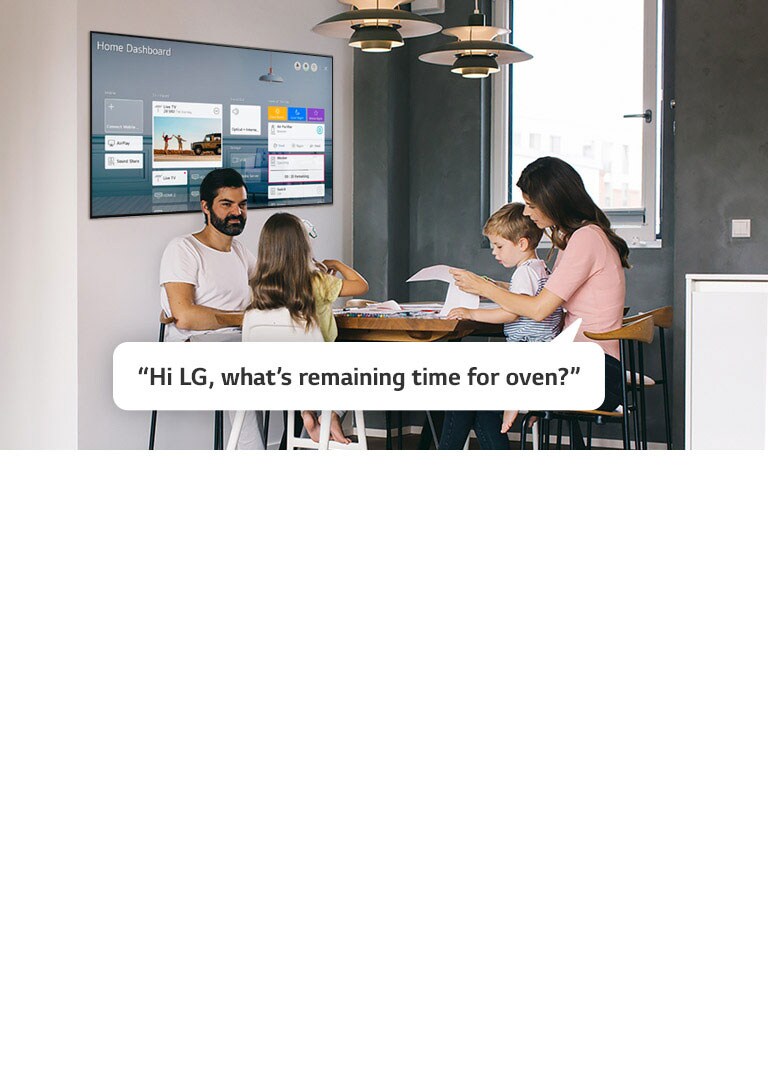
(228, 225)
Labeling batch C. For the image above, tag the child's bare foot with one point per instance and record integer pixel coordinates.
(337, 433)
(311, 424)
(508, 419)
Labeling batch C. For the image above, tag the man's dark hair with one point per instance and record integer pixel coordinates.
(217, 180)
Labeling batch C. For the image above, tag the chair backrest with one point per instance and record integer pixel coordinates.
(275, 326)
(662, 317)
(640, 330)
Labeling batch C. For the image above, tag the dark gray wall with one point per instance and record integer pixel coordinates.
(432, 209)
(445, 135)
(381, 192)
(714, 162)
(721, 145)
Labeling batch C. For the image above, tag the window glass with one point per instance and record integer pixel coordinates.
(586, 72)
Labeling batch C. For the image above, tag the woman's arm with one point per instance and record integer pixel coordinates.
(194, 318)
(523, 305)
(354, 285)
(483, 316)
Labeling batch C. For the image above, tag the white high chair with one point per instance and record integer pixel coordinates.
(277, 325)
(294, 442)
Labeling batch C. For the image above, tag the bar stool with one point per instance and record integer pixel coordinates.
(218, 416)
(662, 319)
(636, 333)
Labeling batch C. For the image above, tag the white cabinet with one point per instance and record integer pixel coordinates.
(726, 361)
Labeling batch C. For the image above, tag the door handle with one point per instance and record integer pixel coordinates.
(647, 115)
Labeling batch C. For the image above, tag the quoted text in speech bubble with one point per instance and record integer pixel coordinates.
(358, 376)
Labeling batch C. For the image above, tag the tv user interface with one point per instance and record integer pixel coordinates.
(164, 113)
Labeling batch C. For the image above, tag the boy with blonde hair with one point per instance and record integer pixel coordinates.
(514, 238)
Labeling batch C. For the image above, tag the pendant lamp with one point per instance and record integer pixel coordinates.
(478, 50)
(375, 25)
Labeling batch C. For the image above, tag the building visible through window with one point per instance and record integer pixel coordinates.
(573, 96)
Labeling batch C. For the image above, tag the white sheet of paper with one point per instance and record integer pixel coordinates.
(387, 307)
(432, 272)
(454, 297)
(375, 307)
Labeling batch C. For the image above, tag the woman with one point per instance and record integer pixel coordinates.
(588, 277)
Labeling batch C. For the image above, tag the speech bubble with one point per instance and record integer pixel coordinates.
(358, 376)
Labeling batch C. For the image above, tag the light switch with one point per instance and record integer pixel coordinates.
(741, 228)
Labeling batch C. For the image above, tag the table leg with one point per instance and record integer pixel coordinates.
(431, 430)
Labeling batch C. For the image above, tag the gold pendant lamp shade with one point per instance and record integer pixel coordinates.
(375, 25)
(477, 50)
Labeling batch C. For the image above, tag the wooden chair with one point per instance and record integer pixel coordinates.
(662, 319)
(637, 333)
(218, 417)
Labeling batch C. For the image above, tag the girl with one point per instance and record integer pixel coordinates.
(588, 277)
(287, 276)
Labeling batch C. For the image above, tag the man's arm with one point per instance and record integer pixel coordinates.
(194, 318)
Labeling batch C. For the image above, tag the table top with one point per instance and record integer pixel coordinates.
(408, 329)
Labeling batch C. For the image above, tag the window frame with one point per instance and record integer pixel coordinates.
(638, 234)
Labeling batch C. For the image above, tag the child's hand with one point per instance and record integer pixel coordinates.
(460, 313)
(469, 282)
(508, 419)
(330, 266)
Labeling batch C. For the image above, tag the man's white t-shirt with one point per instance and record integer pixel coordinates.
(221, 280)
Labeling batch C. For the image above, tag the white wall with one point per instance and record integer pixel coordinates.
(38, 225)
(119, 258)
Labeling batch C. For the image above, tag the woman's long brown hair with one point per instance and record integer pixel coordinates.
(558, 190)
(283, 276)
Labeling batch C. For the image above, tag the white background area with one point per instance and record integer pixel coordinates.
(254, 817)
(95, 281)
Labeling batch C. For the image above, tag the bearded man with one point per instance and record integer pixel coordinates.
(204, 277)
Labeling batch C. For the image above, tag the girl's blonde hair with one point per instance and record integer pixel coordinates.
(283, 276)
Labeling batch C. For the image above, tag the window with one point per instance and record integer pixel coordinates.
(597, 68)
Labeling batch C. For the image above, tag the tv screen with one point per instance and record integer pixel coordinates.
(164, 113)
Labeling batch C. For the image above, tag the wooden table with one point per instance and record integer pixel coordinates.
(405, 329)
(411, 330)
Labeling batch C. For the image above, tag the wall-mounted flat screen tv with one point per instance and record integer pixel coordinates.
(164, 113)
